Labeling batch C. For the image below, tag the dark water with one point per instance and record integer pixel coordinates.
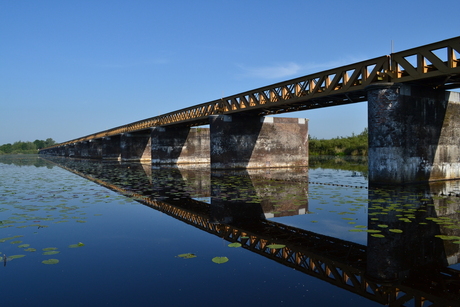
(121, 233)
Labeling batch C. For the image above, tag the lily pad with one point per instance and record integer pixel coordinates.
(235, 244)
(219, 260)
(16, 256)
(49, 249)
(30, 249)
(50, 261)
(382, 226)
(377, 235)
(396, 230)
(51, 253)
(187, 256)
(79, 244)
(23, 245)
(276, 246)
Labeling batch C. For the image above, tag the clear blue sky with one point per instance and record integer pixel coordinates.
(72, 68)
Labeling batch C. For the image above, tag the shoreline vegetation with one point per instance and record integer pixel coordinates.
(355, 145)
(21, 147)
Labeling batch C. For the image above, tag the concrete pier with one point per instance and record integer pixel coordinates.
(180, 145)
(413, 134)
(95, 149)
(256, 142)
(111, 147)
(136, 146)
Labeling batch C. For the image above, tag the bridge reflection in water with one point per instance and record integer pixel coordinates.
(410, 269)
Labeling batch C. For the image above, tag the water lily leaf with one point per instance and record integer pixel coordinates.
(276, 246)
(51, 253)
(79, 244)
(373, 230)
(187, 256)
(30, 249)
(396, 230)
(235, 244)
(377, 235)
(49, 249)
(15, 242)
(382, 226)
(219, 260)
(16, 256)
(50, 261)
(23, 245)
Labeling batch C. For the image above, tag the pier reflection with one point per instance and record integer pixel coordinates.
(404, 264)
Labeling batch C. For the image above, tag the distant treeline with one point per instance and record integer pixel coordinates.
(25, 147)
(355, 145)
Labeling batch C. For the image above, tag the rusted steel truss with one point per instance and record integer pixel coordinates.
(436, 64)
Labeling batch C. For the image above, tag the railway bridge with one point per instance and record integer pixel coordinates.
(412, 121)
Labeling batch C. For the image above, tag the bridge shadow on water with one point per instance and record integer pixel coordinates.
(408, 252)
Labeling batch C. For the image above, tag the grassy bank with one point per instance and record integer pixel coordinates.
(355, 145)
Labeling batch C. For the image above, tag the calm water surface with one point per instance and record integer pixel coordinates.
(126, 234)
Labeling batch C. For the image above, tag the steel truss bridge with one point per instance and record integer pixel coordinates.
(338, 262)
(435, 65)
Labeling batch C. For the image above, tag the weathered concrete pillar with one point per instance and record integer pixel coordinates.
(70, 150)
(95, 149)
(239, 141)
(413, 134)
(111, 149)
(61, 151)
(180, 145)
(136, 146)
(83, 149)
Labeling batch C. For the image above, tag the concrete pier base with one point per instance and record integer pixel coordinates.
(180, 145)
(111, 147)
(239, 141)
(413, 134)
(136, 146)
(70, 150)
(95, 149)
(83, 149)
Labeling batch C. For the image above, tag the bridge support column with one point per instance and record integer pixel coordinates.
(180, 145)
(95, 149)
(413, 134)
(111, 149)
(136, 146)
(70, 150)
(83, 149)
(239, 141)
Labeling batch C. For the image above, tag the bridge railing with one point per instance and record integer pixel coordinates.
(426, 62)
